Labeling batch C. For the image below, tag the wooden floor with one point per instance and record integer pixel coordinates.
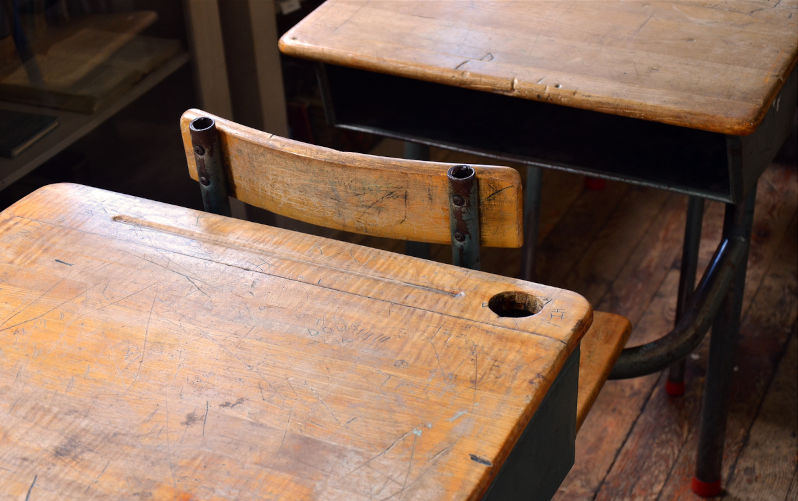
(620, 248)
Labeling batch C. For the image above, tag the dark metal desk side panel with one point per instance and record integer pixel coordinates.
(544, 454)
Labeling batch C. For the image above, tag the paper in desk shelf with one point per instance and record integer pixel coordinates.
(19, 130)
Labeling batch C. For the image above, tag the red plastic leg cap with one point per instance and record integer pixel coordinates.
(674, 388)
(706, 489)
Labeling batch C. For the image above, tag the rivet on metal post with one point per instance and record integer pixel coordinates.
(464, 215)
(210, 165)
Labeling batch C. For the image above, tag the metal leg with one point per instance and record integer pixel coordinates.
(531, 221)
(692, 238)
(416, 151)
(723, 344)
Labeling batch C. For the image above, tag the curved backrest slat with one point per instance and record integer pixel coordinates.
(372, 195)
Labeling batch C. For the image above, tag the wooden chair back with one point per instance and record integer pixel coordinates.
(372, 195)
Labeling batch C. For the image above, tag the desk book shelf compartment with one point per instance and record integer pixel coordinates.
(543, 134)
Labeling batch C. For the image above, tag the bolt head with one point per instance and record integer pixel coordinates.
(459, 236)
(199, 150)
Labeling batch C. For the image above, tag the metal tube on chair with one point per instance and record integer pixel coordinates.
(464, 215)
(210, 165)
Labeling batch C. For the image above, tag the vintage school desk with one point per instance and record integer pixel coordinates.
(153, 350)
(694, 97)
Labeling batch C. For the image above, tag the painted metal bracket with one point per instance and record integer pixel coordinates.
(464, 215)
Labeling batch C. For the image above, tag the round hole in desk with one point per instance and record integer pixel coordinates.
(514, 304)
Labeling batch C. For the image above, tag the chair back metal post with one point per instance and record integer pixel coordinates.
(210, 165)
(464, 215)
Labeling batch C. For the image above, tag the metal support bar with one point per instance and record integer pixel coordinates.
(699, 313)
(464, 215)
(725, 332)
(531, 221)
(210, 165)
(692, 240)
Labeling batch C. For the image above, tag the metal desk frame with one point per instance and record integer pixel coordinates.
(700, 164)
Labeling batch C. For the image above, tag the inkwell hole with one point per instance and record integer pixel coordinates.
(514, 304)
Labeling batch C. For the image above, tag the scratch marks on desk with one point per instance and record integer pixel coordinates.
(487, 57)
(169, 441)
(192, 280)
(146, 335)
(205, 418)
(496, 192)
(323, 403)
(643, 25)
(457, 416)
(380, 454)
(191, 418)
(230, 405)
(410, 462)
(30, 489)
(40, 315)
(475, 358)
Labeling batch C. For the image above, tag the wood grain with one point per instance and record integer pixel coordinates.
(384, 197)
(155, 350)
(706, 65)
(770, 453)
(600, 348)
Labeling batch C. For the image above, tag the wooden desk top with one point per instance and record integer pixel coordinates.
(153, 350)
(715, 66)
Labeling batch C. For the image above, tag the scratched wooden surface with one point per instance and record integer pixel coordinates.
(153, 350)
(386, 197)
(709, 65)
(601, 346)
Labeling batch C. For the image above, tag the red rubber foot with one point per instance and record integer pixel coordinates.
(706, 489)
(674, 388)
(595, 184)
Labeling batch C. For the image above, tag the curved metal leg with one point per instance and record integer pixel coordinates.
(674, 386)
(723, 344)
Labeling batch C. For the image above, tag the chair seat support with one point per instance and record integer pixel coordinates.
(699, 315)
